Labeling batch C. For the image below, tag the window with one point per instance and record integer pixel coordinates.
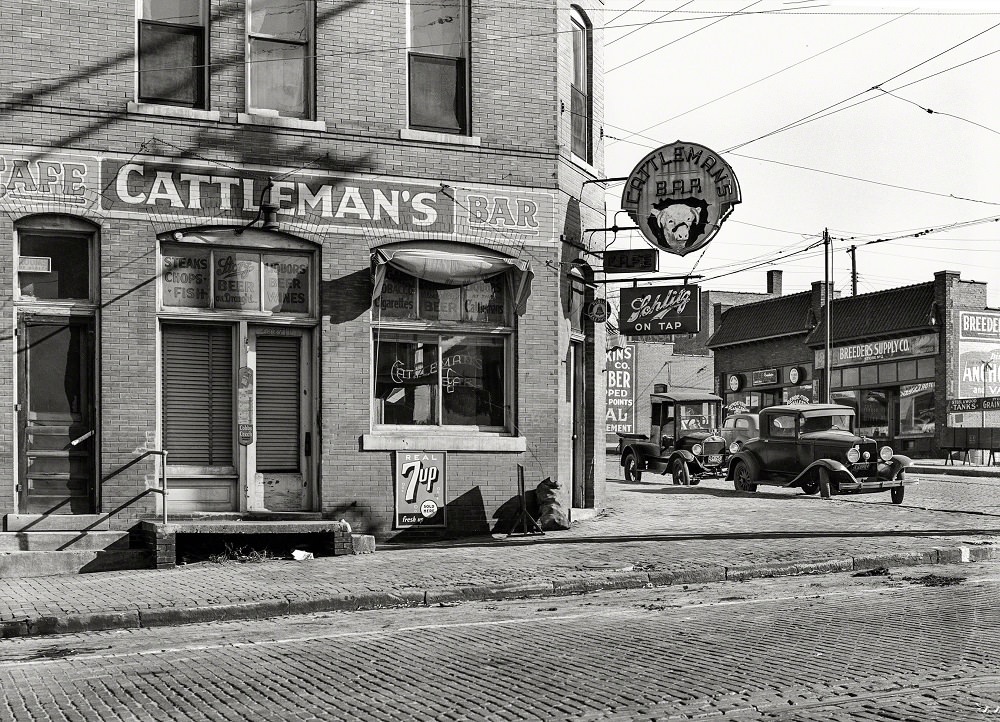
(198, 394)
(782, 427)
(54, 263)
(172, 52)
(441, 353)
(915, 410)
(280, 57)
(439, 66)
(580, 87)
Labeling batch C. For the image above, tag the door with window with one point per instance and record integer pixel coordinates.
(56, 416)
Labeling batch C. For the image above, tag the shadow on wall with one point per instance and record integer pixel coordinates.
(346, 298)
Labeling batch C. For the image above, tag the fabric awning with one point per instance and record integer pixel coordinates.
(452, 264)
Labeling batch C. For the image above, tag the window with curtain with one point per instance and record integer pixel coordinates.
(173, 47)
(198, 394)
(438, 62)
(441, 353)
(580, 87)
(280, 57)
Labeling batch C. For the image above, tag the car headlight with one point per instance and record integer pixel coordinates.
(853, 455)
(885, 453)
(697, 449)
(734, 447)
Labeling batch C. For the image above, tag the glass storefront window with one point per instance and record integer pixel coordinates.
(406, 379)
(907, 370)
(886, 373)
(869, 375)
(54, 266)
(187, 277)
(874, 416)
(925, 368)
(406, 297)
(915, 410)
(286, 283)
(851, 377)
(836, 378)
(472, 381)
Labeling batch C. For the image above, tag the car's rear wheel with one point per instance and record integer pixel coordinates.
(743, 477)
(680, 473)
(896, 494)
(632, 471)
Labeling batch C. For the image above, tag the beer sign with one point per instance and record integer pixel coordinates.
(654, 310)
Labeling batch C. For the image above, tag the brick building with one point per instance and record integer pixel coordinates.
(318, 252)
(916, 362)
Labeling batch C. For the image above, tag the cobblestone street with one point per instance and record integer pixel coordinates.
(908, 645)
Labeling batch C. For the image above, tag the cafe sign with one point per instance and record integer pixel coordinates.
(420, 482)
(631, 260)
(679, 195)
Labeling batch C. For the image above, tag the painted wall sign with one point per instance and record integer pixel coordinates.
(978, 358)
(679, 195)
(186, 277)
(34, 264)
(421, 488)
(764, 377)
(632, 260)
(620, 364)
(26, 179)
(286, 283)
(959, 405)
(651, 310)
(887, 350)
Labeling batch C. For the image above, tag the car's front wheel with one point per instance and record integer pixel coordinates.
(810, 487)
(680, 473)
(632, 471)
(743, 477)
(896, 494)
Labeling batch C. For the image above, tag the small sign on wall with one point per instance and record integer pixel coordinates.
(421, 489)
(34, 264)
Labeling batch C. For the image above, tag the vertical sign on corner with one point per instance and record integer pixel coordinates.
(620, 366)
(421, 489)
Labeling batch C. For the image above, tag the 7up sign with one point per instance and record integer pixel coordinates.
(420, 488)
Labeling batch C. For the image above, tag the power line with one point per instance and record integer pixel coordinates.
(622, 37)
(938, 112)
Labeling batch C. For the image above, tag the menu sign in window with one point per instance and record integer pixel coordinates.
(399, 296)
(186, 275)
(286, 283)
(484, 301)
(237, 280)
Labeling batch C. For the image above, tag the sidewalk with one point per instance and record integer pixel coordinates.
(649, 534)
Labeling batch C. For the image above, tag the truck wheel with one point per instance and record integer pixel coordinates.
(743, 477)
(896, 494)
(632, 471)
(679, 471)
(810, 487)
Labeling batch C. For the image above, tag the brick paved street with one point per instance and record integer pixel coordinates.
(650, 528)
(834, 647)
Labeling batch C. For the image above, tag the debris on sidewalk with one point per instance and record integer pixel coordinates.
(301, 556)
(935, 580)
(876, 572)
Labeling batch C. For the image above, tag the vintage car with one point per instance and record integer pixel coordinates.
(682, 439)
(814, 447)
(739, 428)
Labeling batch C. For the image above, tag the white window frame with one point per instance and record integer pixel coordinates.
(465, 131)
(205, 103)
(580, 24)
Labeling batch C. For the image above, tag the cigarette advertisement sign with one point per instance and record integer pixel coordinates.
(420, 489)
(620, 366)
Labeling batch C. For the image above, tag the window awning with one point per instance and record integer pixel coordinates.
(452, 264)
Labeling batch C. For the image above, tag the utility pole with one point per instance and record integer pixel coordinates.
(826, 324)
(854, 271)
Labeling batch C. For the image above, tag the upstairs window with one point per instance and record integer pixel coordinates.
(580, 88)
(439, 66)
(173, 46)
(280, 57)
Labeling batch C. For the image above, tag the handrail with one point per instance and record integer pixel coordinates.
(163, 485)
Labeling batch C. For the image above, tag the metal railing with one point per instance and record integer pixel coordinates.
(163, 477)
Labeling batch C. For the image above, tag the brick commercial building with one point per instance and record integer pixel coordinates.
(919, 363)
(318, 252)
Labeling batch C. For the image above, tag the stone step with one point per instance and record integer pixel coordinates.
(25, 541)
(56, 522)
(53, 563)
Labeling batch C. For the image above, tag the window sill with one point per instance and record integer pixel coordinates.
(446, 138)
(584, 165)
(442, 441)
(276, 121)
(172, 111)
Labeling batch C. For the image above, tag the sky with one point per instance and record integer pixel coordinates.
(867, 164)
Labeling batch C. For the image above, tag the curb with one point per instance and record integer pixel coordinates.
(955, 470)
(271, 608)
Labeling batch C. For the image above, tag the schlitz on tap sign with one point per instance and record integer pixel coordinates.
(655, 310)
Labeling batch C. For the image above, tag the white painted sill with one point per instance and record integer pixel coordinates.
(446, 138)
(275, 121)
(438, 441)
(172, 111)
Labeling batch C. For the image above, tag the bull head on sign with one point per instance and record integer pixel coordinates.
(678, 224)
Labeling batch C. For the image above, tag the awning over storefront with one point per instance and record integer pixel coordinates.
(452, 264)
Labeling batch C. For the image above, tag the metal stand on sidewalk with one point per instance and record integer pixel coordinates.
(523, 517)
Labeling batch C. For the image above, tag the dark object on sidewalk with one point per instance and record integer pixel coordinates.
(551, 514)
(876, 572)
(933, 580)
(523, 518)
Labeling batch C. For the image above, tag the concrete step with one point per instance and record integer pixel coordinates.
(54, 563)
(56, 522)
(32, 541)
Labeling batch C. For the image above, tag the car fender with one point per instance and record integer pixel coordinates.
(745, 456)
(897, 463)
(831, 465)
(681, 454)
